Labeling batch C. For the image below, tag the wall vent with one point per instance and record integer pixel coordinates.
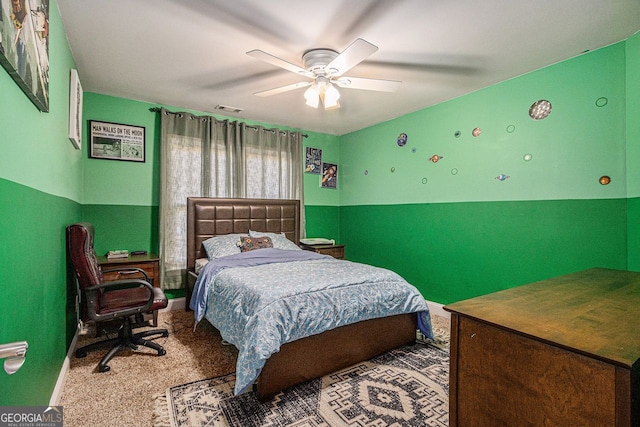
(228, 109)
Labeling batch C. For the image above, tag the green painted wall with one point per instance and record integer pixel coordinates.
(632, 89)
(121, 198)
(571, 149)
(120, 183)
(40, 189)
(633, 148)
(454, 251)
(322, 212)
(454, 230)
(323, 221)
(34, 305)
(123, 227)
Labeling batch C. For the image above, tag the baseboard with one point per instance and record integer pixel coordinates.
(57, 390)
(175, 304)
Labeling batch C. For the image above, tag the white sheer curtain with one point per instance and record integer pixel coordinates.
(205, 157)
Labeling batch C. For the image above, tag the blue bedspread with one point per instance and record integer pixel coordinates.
(261, 299)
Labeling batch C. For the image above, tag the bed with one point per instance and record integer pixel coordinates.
(300, 358)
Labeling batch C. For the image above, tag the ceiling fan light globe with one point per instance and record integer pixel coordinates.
(312, 97)
(331, 96)
(335, 107)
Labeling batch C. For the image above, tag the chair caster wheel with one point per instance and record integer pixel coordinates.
(162, 352)
(104, 368)
(81, 354)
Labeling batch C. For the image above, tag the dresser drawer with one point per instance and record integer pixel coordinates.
(336, 251)
(149, 264)
(121, 275)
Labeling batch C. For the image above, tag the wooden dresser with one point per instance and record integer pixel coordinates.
(336, 251)
(559, 352)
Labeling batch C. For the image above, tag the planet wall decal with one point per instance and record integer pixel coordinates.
(402, 139)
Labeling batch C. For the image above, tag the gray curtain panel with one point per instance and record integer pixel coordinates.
(201, 156)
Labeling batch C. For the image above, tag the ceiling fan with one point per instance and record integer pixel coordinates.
(326, 67)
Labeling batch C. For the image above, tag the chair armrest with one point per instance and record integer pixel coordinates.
(90, 293)
(128, 270)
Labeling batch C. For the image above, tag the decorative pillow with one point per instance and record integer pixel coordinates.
(248, 243)
(223, 245)
(279, 240)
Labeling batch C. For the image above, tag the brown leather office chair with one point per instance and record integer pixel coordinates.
(105, 301)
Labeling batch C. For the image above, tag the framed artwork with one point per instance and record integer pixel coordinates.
(75, 110)
(115, 141)
(24, 47)
(329, 178)
(313, 161)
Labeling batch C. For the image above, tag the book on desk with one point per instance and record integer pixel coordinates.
(118, 254)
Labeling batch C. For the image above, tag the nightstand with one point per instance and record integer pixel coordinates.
(336, 251)
(192, 277)
(150, 264)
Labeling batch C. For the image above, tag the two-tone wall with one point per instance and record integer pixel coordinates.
(40, 194)
(518, 203)
(121, 198)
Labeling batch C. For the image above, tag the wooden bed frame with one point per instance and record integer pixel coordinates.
(306, 358)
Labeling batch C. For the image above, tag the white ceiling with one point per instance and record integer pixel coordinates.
(191, 54)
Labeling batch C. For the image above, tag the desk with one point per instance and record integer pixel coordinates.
(150, 264)
(562, 351)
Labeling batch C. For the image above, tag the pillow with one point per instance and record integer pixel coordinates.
(279, 240)
(223, 245)
(248, 243)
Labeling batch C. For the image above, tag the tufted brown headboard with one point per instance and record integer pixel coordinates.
(208, 217)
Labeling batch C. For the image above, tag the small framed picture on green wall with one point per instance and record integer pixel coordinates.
(313, 160)
(329, 177)
(115, 141)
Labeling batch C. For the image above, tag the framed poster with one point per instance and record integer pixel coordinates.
(313, 161)
(329, 177)
(75, 110)
(115, 141)
(24, 47)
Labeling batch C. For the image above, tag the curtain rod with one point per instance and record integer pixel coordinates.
(157, 110)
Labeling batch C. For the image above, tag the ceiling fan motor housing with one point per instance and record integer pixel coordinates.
(316, 60)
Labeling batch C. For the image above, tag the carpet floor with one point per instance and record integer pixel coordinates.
(124, 396)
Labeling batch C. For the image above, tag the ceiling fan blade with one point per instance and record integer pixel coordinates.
(357, 52)
(274, 60)
(367, 84)
(282, 89)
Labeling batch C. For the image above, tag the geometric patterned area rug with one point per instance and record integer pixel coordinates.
(408, 386)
